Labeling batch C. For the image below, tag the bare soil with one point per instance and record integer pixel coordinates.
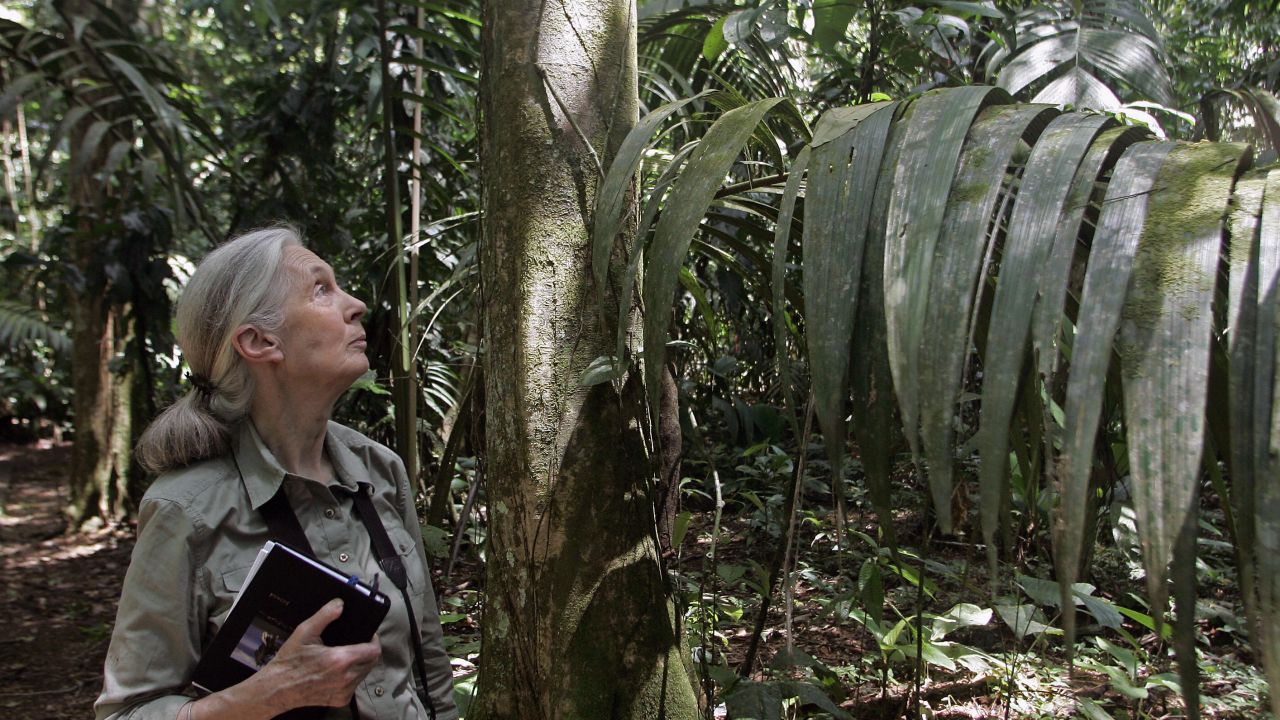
(58, 591)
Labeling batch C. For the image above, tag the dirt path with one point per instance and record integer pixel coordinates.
(58, 592)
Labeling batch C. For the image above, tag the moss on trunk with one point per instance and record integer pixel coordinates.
(577, 622)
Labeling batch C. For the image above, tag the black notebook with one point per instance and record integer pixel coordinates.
(284, 588)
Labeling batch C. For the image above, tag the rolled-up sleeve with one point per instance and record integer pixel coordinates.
(156, 640)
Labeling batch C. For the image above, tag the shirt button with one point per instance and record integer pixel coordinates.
(378, 691)
(343, 557)
(329, 513)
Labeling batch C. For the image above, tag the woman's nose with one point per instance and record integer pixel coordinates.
(356, 307)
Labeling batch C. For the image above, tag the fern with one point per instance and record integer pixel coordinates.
(20, 324)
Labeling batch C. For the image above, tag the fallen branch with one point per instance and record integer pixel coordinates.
(893, 706)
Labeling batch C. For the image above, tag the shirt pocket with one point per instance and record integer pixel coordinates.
(404, 546)
(225, 590)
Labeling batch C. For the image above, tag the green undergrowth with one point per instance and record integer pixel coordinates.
(920, 630)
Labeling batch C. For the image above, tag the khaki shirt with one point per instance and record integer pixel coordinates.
(199, 530)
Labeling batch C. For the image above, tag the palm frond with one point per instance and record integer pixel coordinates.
(1075, 262)
(1089, 55)
(930, 152)
(835, 234)
(1243, 115)
(690, 196)
(20, 323)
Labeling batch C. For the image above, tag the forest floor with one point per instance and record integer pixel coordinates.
(58, 594)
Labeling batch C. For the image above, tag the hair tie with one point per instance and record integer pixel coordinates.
(202, 384)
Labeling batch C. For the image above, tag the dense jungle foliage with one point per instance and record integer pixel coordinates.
(974, 338)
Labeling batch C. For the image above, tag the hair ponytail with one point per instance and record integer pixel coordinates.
(183, 433)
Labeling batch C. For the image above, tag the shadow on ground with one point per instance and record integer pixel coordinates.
(58, 591)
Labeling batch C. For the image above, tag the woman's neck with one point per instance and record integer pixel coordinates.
(295, 435)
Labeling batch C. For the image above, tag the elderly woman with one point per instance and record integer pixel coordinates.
(272, 342)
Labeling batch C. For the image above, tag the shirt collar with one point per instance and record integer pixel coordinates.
(263, 474)
(348, 468)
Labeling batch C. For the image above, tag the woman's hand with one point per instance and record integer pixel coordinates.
(305, 673)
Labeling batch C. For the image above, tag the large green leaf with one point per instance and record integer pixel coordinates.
(690, 196)
(961, 263)
(935, 133)
(1046, 184)
(1265, 108)
(455, 12)
(1110, 265)
(1047, 323)
(1164, 343)
(830, 21)
(873, 405)
(1049, 312)
(153, 96)
(1080, 89)
(72, 117)
(1248, 426)
(19, 323)
(782, 238)
(88, 148)
(438, 67)
(754, 701)
(1240, 114)
(611, 198)
(842, 180)
(16, 88)
(1267, 493)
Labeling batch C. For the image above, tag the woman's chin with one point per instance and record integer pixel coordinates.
(358, 369)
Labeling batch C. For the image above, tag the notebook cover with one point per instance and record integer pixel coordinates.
(286, 589)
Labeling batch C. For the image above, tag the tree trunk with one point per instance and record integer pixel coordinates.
(577, 621)
(672, 451)
(102, 402)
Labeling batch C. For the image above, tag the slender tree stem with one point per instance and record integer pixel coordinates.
(415, 227)
(783, 552)
(926, 530)
(404, 381)
(24, 152)
(797, 495)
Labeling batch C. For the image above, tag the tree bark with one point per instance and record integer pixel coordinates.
(672, 450)
(102, 401)
(578, 622)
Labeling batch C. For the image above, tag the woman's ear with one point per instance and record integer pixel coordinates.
(256, 346)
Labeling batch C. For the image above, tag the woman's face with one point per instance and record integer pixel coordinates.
(322, 338)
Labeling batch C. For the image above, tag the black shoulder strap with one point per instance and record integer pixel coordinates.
(283, 525)
(284, 528)
(383, 549)
(389, 561)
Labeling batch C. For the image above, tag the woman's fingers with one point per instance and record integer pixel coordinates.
(311, 673)
(360, 655)
(308, 631)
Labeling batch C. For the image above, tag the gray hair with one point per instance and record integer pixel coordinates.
(239, 283)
